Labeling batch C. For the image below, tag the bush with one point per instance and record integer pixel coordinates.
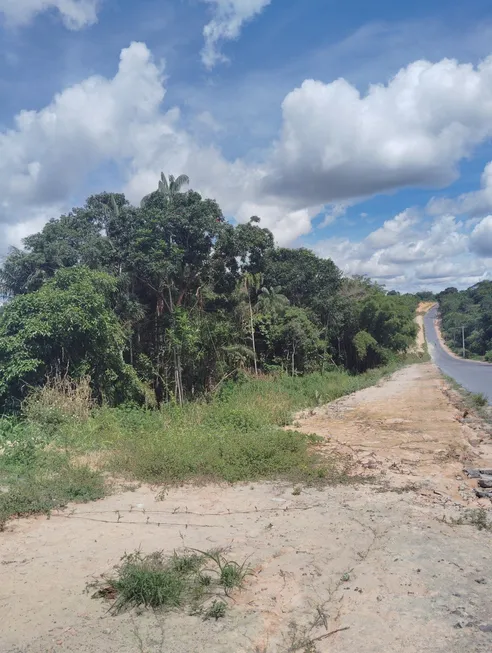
(479, 400)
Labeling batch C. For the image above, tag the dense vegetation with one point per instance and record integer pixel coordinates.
(471, 308)
(120, 315)
(167, 300)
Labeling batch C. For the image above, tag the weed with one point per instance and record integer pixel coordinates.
(235, 436)
(40, 490)
(477, 517)
(479, 400)
(296, 491)
(170, 582)
(216, 611)
(231, 575)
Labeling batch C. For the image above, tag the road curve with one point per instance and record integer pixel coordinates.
(472, 375)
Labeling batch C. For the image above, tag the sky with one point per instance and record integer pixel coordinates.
(360, 130)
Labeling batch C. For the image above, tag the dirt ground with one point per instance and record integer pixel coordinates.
(374, 561)
(422, 309)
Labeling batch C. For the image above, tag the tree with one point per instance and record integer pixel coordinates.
(67, 327)
(271, 300)
(194, 298)
(168, 189)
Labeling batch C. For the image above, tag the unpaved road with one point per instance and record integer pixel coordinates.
(376, 558)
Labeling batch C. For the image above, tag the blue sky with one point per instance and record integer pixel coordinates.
(289, 109)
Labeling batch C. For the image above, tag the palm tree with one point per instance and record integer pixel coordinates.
(272, 301)
(168, 188)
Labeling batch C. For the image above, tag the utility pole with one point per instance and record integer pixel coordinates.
(463, 338)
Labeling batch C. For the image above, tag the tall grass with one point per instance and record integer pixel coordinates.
(236, 435)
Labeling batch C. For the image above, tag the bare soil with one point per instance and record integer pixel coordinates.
(422, 309)
(372, 560)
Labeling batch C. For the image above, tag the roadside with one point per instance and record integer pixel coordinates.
(448, 350)
(474, 376)
(420, 342)
(375, 559)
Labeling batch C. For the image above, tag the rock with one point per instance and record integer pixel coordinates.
(484, 483)
(486, 628)
(472, 473)
(485, 494)
(487, 472)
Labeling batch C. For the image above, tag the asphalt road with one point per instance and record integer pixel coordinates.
(472, 375)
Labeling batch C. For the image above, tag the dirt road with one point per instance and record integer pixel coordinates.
(375, 559)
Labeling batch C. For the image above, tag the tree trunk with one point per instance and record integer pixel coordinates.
(252, 326)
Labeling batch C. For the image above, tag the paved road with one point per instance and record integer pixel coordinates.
(474, 376)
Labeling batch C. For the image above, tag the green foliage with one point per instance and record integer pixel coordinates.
(38, 484)
(169, 299)
(164, 582)
(472, 309)
(479, 400)
(217, 610)
(66, 325)
(363, 341)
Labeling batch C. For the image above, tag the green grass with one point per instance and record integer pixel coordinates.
(155, 581)
(237, 435)
(476, 402)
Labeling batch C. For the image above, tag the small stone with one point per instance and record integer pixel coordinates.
(486, 628)
(481, 581)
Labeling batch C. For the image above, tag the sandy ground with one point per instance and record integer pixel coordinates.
(422, 309)
(375, 559)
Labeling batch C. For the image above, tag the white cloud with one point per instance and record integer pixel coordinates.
(75, 14)
(481, 237)
(47, 157)
(337, 144)
(45, 160)
(476, 203)
(410, 253)
(393, 230)
(229, 16)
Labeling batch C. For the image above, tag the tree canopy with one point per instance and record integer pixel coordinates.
(170, 295)
(471, 309)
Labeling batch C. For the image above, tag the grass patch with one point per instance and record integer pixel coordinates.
(476, 402)
(35, 478)
(479, 400)
(42, 490)
(192, 579)
(478, 517)
(235, 435)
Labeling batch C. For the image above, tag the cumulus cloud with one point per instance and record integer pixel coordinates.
(46, 158)
(414, 130)
(481, 237)
(337, 143)
(410, 253)
(229, 16)
(475, 203)
(75, 14)
(50, 152)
